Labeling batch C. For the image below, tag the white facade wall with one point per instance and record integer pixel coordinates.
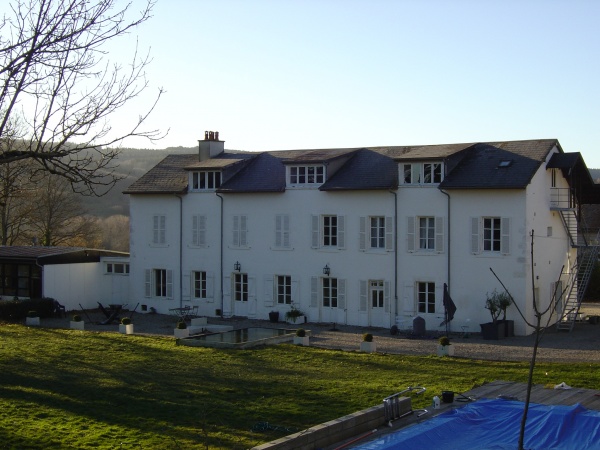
(399, 273)
(85, 284)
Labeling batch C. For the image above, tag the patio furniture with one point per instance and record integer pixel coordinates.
(184, 312)
(111, 313)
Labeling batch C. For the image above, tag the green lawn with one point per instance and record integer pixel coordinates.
(71, 389)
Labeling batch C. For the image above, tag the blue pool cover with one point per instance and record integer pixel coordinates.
(495, 424)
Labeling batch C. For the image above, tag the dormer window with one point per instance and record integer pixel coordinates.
(206, 180)
(422, 173)
(306, 175)
(504, 163)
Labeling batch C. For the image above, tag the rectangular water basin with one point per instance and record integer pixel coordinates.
(241, 338)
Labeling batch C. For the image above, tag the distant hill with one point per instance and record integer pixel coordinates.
(132, 164)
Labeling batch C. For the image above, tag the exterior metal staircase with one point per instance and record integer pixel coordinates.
(578, 282)
(563, 201)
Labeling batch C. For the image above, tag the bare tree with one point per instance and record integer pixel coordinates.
(543, 318)
(56, 78)
(59, 217)
(115, 232)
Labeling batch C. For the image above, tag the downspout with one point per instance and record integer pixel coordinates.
(221, 254)
(180, 250)
(395, 194)
(448, 234)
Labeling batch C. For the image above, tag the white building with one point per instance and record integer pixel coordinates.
(362, 236)
(75, 277)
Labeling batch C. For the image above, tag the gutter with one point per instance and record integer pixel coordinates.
(448, 234)
(221, 252)
(395, 194)
(180, 250)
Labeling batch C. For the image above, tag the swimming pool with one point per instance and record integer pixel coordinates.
(241, 338)
(494, 424)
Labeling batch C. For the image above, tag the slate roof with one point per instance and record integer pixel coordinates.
(376, 171)
(469, 166)
(480, 167)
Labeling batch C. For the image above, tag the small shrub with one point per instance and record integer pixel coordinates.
(444, 340)
(125, 321)
(181, 325)
(76, 318)
(32, 313)
(368, 337)
(300, 332)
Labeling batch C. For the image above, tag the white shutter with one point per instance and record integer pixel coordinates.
(341, 292)
(236, 231)
(408, 299)
(389, 234)
(210, 287)
(163, 229)
(169, 284)
(295, 291)
(195, 230)
(315, 231)
(268, 290)
(439, 234)
(202, 231)
(363, 292)
(155, 229)
(251, 288)
(148, 283)
(410, 234)
(386, 296)
(243, 231)
(187, 286)
(286, 231)
(341, 231)
(505, 235)
(314, 292)
(226, 296)
(362, 234)
(475, 235)
(278, 231)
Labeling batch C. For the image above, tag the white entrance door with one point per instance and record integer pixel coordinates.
(240, 294)
(379, 300)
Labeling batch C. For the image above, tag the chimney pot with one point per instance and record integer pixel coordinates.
(206, 135)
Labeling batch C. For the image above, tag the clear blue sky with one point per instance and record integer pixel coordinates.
(283, 74)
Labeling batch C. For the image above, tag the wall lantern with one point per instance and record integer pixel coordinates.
(326, 270)
(237, 266)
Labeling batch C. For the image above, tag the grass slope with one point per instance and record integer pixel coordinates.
(72, 389)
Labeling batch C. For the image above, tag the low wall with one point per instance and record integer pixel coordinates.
(334, 431)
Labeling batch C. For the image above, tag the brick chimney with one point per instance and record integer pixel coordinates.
(211, 146)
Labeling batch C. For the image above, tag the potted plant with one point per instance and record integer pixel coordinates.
(295, 315)
(301, 338)
(445, 348)
(126, 327)
(368, 345)
(181, 330)
(32, 319)
(274, 316)
(496, 303)
(77, 323)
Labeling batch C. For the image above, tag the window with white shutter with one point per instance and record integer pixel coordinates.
(282, 231)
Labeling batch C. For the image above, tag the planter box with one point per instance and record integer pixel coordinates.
(304, 340)
(493, 331)
(126, 329)
(445, 350)
(509, 327)
(32, 321)
(77, 325)
(295, 320)
(368, 347)
(199, 321)
(182, 333)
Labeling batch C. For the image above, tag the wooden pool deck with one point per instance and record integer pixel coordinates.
(542, 394)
